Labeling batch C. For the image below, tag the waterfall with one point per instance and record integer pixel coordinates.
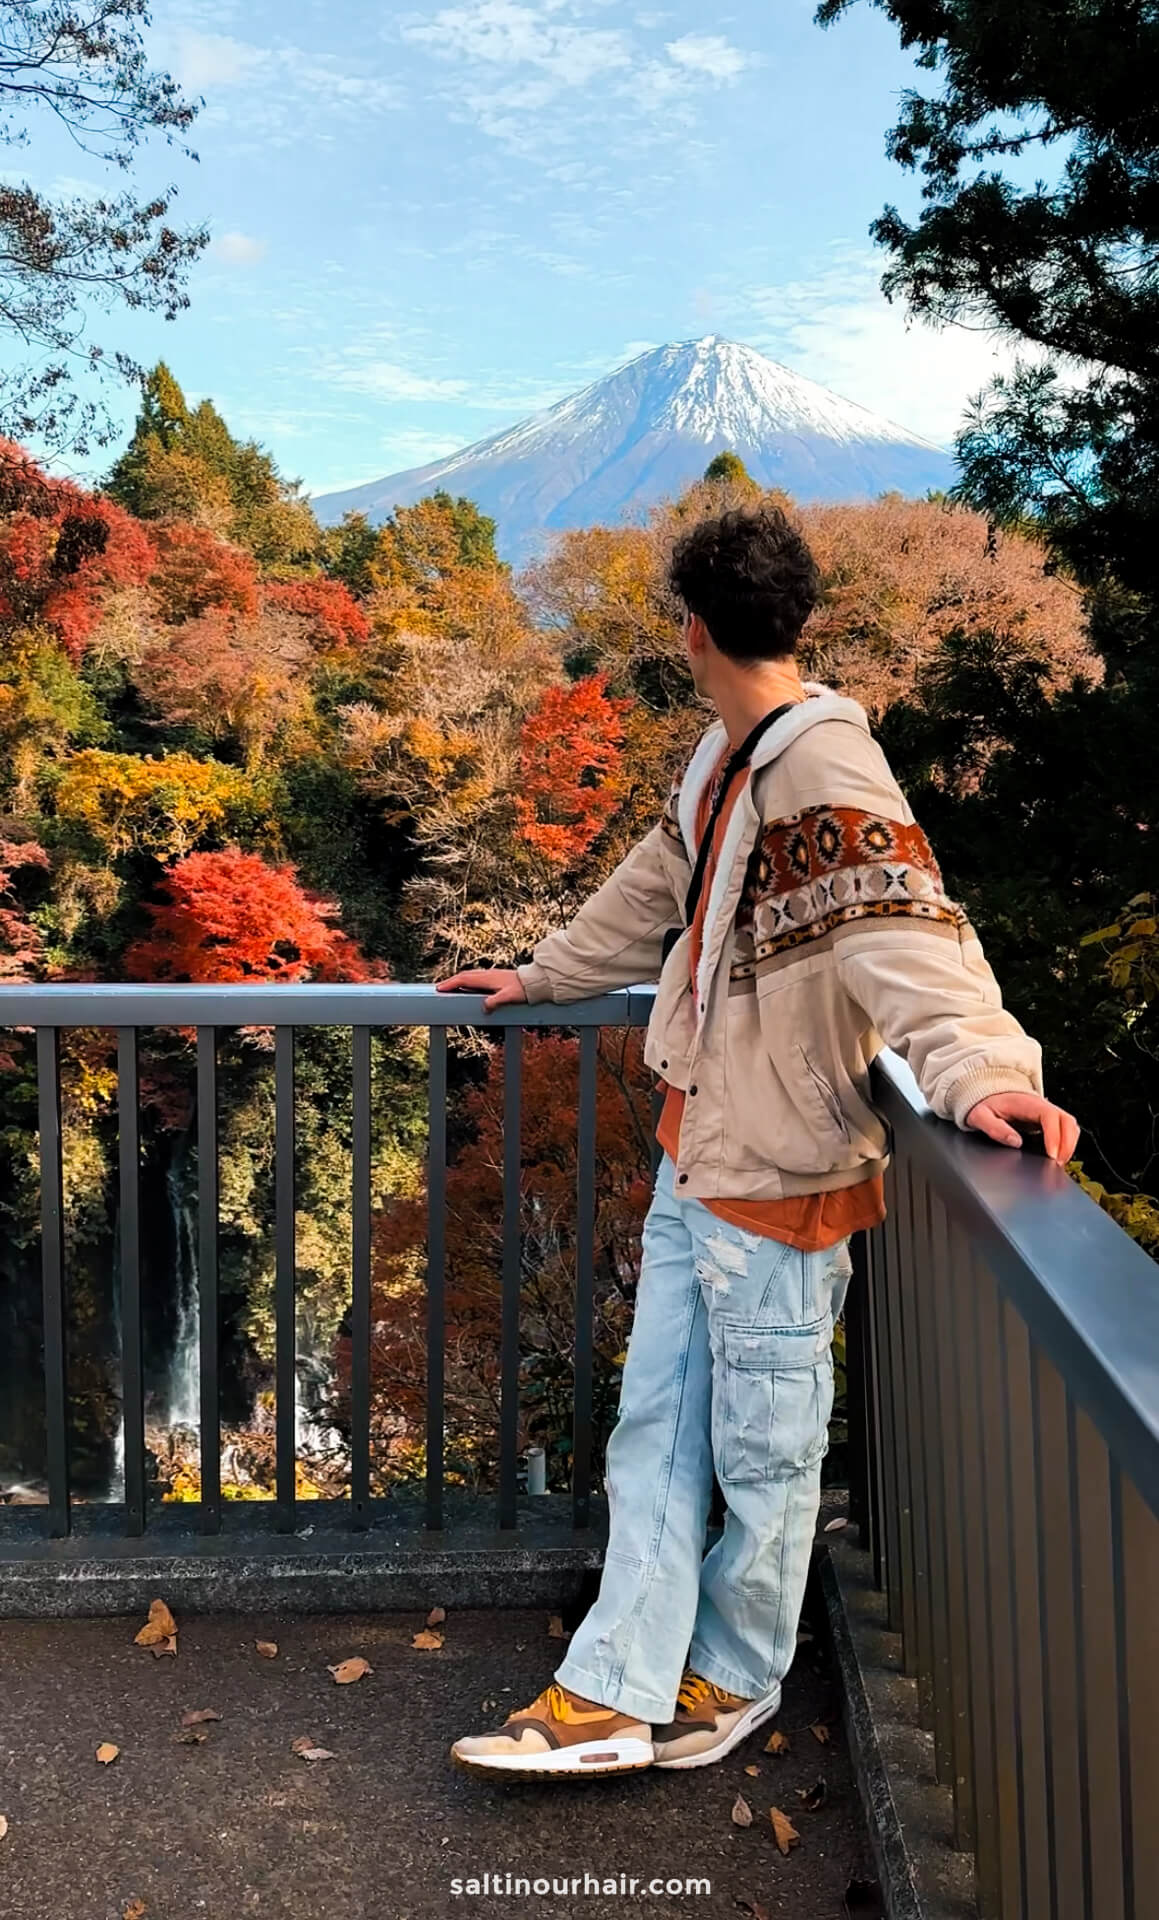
(183, 1380)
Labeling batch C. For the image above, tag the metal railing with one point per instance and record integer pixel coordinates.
(49, 1009)
(1004, 1416)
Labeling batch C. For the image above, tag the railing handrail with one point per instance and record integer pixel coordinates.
(316, 1004)
(1087, 1292)
(1083, 1287)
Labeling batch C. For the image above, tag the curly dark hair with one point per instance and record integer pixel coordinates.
(752, 579)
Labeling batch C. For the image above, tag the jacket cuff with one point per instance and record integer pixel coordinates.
(536, 982)
(980, 1083)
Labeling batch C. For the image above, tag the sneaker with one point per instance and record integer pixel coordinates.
(708, 1723)
(559, 1734)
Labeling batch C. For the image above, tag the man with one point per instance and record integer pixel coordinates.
(820, 930)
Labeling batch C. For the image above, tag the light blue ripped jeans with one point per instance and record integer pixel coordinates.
(729, 1364)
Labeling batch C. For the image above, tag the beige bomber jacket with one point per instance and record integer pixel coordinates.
(827, 934)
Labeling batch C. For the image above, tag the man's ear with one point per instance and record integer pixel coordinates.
(699, 638)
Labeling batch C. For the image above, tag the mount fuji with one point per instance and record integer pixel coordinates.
(645, 432)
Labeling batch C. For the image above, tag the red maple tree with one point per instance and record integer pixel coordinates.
(570, 779)
(62, 550)
(195, 571)
(231, 916)
(333, 617)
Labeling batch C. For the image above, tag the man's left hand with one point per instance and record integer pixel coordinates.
(1060, 1130)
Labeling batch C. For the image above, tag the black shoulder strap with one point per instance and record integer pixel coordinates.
(736, 761)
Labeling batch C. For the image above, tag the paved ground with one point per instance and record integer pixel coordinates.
(238, 1825)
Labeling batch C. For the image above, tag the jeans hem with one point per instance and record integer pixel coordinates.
(702, 1662)
(624, 1699)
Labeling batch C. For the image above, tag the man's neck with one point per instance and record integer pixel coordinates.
(745, 695)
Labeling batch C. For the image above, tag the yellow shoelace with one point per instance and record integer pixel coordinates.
(693, 1690)
(560, 1708)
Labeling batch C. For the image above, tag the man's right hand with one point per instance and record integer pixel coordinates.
(502, 986)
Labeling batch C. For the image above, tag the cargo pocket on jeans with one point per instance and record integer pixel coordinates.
(771, 1413)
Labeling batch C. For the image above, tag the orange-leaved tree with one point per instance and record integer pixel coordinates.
(61, 551)
(234, 916)
(195, 571)
(571, 778)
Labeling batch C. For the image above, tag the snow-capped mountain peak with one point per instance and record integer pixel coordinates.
(648, 429)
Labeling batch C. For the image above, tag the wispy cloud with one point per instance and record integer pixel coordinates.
(708, 53)
(238, 249)
(513, 61)
(835, 326)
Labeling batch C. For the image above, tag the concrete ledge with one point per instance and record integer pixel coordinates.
(910, 1817)
(324, 1566)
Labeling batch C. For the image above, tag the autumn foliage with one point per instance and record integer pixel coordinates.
(231, 916)
(570, 776)
(61, 551)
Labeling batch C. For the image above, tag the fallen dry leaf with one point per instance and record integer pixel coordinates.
(191, 1737)
(426, 1639)
(107, 1753)
(199, 1716)
(742, 1813)
(784, 1832)
(813, 1797)
(306, 1750)
(436, 1616)
(348, 1671)
(3, 1826)
(753, 1907)
(820, 1733)
(158, 1627)
(555, 1627)
(267, 1648)
(834, 1526)
(134, 1911)
(162, 1647)
(752, 1771)
(777, 1743)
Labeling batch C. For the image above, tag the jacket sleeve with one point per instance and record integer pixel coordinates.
(934, 1000)
(617, 937)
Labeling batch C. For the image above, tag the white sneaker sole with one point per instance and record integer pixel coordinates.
(625, 1755)
(753, 1717)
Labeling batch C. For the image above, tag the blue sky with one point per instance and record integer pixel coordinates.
(429, 220)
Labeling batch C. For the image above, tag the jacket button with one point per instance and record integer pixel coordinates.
(663, 1065)
(683, 1180)
(692, 1093)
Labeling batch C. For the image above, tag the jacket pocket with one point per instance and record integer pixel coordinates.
(771, 1407)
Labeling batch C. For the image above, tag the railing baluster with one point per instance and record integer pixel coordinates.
(657, 1151)
(885, 1282)
(1000, 1587)
(1022, 1548)
(512, 1252)
(436, 1276)
(984, 1788)
(52, 1277)
(1102, 1744)
(858, 1396)
(951, 1493)
(904, 1577)
(132, 1381)
(285, 1290)
(1056, 1552)
(360, 1281)
(933, 1430)
(208, 1311)
(1135, 1540)
(581, 1470)
(910, 1283)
